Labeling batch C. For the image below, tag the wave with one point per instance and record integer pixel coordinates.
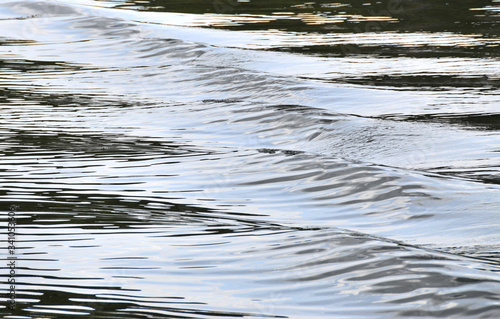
(156, 166)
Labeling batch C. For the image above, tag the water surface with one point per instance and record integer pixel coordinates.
(199, 159)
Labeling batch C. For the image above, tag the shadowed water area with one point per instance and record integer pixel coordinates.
(253, 159)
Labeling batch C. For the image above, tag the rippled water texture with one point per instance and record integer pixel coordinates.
(224, 159)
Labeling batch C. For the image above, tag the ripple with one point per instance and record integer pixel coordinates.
(165, 171)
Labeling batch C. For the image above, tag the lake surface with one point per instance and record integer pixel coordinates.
(253, 159)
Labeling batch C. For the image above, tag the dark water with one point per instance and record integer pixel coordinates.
(223, 159)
